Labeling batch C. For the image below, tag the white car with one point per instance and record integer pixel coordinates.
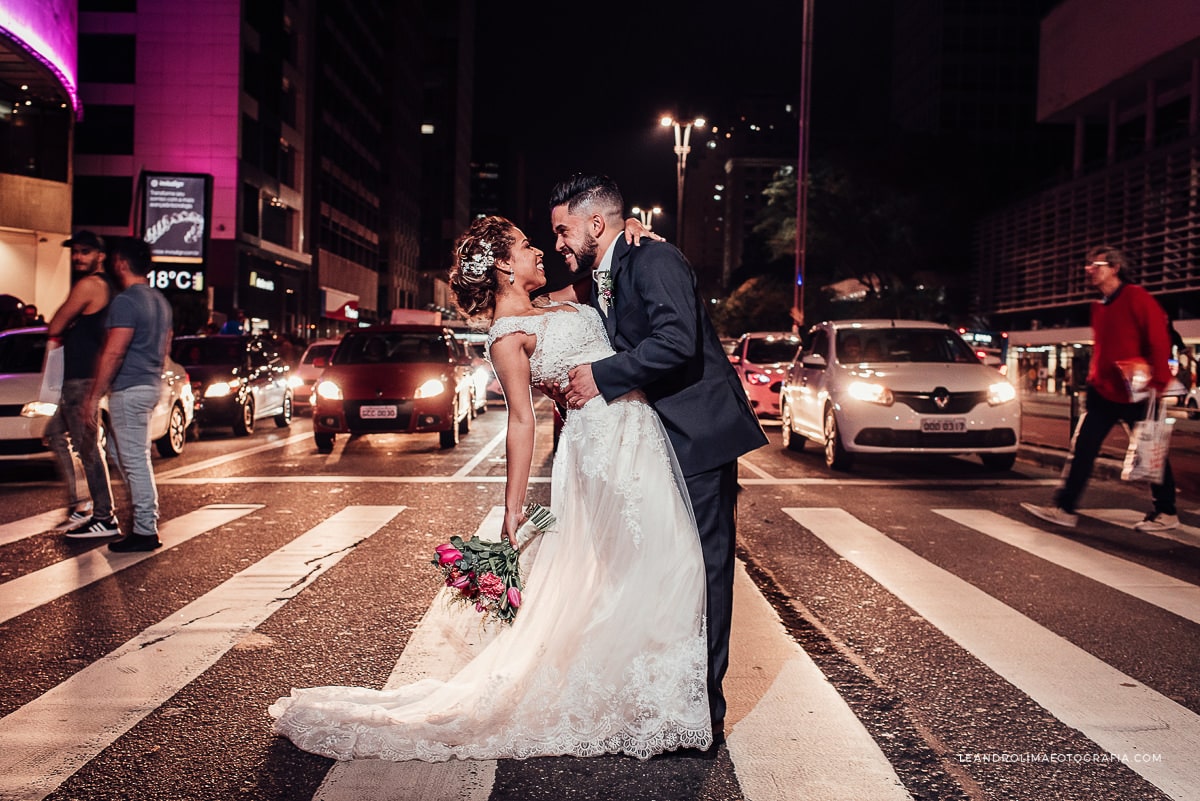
(23, 419)
(897, 386)
(304, 378)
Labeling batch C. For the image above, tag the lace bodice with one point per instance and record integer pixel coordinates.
(564, 340)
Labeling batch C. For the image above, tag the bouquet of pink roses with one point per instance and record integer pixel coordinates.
(487, 575)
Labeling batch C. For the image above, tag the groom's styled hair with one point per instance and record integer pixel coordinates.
(594, 192)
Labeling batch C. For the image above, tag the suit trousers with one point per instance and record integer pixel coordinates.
(714, 500)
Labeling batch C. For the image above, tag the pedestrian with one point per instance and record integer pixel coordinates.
(236, 324)
(1127, 324)
(78, 328)
(665, 346)
(130, 371)
(1060, 378)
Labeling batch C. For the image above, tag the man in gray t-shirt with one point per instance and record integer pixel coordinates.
(130, 365)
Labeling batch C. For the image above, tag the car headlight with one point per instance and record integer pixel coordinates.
(871, 393)
(430, 389)
(757, 378)
(38, 409)
(295, 382)
(329, 391)
(221, 389)
(1002, 392)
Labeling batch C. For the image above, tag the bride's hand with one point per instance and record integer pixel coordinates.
(634, 231)
(512, 523)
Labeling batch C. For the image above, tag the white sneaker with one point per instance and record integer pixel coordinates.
(1157, 521)
(1052, 514)
(80, 515)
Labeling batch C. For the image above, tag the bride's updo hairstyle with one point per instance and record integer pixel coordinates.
(472, 273)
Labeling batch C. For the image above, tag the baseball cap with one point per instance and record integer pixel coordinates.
(85, 238)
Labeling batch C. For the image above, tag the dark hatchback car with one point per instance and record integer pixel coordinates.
(237, 380)
(406, 379)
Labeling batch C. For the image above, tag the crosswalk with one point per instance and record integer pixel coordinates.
(773, 683)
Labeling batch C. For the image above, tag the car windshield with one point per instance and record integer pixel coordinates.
(392, 347)
(22, 353)
(858, 346)
(772, 350)
(318, 352)
(194, 352)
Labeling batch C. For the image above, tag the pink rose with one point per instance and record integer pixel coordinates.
(514, 597)
(447, 554)
(461, 583)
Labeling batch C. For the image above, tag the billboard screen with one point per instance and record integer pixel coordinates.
(175, 214)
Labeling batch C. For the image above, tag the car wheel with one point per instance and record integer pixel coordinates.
(1193, 411)
(464, 423)
(449, 437)
(791, 440)
(836, 456)
(324, 441)
(284, 418)
(171, 443)
(243, 424)
(998, 461)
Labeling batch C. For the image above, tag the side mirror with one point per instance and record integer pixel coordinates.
(814, 360)
(735, 359)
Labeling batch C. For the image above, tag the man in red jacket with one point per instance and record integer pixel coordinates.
(1128, 325)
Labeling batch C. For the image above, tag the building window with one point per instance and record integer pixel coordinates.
(102, 200)
(278, 224)
(108, 5)
(106, 130)
(250, 218)
(107, 58)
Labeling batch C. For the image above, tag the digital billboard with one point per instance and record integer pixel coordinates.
(176, 208)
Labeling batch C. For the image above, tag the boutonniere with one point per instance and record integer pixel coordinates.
(604, 285)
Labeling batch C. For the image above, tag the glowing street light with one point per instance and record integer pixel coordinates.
(647, 215)
(683, 135)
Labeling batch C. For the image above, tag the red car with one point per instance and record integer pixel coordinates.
(406, 379)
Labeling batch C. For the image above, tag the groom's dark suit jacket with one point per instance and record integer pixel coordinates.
(666, 346)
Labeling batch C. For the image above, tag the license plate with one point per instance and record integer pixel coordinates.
(943, 425)
(377, 412)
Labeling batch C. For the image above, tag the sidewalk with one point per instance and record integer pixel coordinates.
(1046, 439)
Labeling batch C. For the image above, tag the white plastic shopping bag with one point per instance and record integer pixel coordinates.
(1149, 443)
(52, 376)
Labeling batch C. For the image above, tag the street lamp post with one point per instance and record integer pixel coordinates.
(802, 166)
(647, 215)
(683, 134)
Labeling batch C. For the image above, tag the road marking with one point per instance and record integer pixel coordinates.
(217, 461)
(748, 482)
(1140, 582)
(793, 735)
(443, 642)
(482, 454)
(42, 586)
(1121, 715)
(27, 527)
(753, 468)
(1188, 535)
(45, 742)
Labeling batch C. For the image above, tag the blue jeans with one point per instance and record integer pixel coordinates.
(67, 429)
(130, 410)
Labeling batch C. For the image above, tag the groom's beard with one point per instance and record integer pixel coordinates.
(585, 258)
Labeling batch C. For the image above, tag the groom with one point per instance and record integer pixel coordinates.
(667, 347)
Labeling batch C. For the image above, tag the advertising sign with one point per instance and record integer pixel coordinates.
(175, 215)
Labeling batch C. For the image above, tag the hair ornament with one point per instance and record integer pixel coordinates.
(477, 265)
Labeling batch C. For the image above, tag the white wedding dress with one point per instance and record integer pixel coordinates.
(608, 652)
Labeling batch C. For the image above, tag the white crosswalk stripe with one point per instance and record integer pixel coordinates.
(1119, 714)
(42, 586)
(44, 742)
(27, 527)
(1127, 518)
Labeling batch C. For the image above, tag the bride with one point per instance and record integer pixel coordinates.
(608, 653)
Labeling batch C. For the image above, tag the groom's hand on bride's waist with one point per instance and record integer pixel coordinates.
(582, 387)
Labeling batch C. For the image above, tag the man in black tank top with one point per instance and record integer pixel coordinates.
(78, 327)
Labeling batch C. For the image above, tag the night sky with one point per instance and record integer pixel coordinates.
(578, 94)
